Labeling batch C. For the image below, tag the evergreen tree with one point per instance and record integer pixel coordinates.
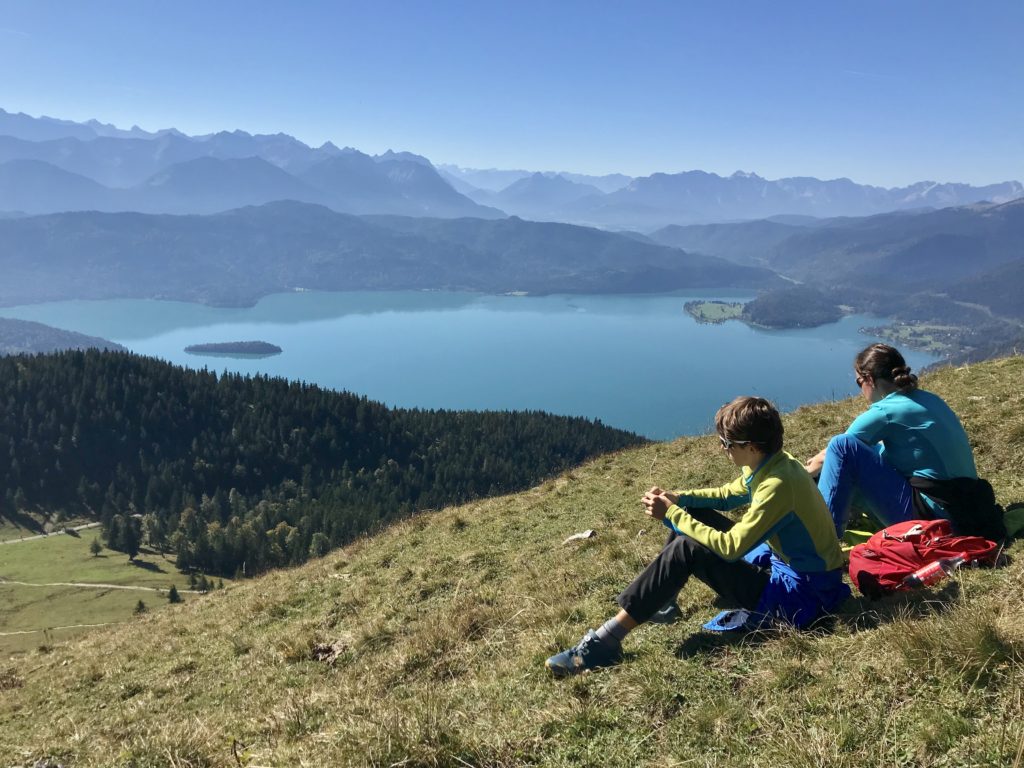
(95, 547)
(173, 596)
(130, 537)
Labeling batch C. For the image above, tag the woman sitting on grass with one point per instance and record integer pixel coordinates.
(907, 438)
(797, 578)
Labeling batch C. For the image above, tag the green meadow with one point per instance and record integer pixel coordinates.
(25, 525)
(59, 595)
(715, 311)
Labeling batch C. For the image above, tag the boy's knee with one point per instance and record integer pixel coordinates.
(681, 547)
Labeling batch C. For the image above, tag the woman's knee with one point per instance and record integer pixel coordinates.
(843, 445)
(843, 449)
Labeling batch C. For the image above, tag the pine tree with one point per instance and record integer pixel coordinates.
(95, 547)
(173, 596)
(130, 537)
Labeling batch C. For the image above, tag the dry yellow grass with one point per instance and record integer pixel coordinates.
(424, 646)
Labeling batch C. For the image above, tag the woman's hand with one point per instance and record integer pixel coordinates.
(815, 463)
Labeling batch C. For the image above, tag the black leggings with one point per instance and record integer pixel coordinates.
(738, 583)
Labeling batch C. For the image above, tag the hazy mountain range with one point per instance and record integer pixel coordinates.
(234, 258)
(930, 248)
(953, 276)
(696, 196)
(926, 253)
(691, 197)
(494, 180)
(348, 181)
(49, 165)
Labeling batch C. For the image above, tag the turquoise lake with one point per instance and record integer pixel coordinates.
(636, 362)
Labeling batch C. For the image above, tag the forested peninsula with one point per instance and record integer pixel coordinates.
(795, 306)
(231, 472)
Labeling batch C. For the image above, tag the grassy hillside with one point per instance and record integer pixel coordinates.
(425, 645)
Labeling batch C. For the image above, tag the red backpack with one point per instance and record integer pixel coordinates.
(879, 565)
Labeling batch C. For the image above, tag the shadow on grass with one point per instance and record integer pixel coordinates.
(146, 566)
(862, 613)
(23, 520)
(1012, 516)
(712, 643)
(858, 614)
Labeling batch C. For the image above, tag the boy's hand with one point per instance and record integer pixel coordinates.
(657, 504)
(656, 491)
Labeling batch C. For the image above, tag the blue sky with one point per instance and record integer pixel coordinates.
(884, 93)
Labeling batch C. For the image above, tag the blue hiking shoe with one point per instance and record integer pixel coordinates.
(589, 653)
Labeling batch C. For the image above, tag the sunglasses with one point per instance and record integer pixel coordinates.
(861, 379)
(727, 443)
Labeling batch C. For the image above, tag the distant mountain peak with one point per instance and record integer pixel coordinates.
(406, 156)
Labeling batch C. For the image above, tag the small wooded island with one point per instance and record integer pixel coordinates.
(248, 348)
(797, 306)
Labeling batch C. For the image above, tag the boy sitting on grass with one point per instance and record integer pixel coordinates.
(796, 578)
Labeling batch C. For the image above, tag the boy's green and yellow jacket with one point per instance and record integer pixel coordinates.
(786, 512)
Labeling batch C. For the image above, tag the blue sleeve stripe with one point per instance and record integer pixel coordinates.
(722, 505)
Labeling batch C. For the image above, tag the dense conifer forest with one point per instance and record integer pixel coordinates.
(236, 474)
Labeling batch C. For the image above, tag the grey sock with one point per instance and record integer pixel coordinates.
(612, 632)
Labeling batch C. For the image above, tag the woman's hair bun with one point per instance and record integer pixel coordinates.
(903, 378)
(883, 362)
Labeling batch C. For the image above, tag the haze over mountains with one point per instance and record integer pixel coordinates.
(923, 249)
(952, 277)
(256, 214)
(171, 174)
(49, 165)
(236, 257)
(664, 199)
